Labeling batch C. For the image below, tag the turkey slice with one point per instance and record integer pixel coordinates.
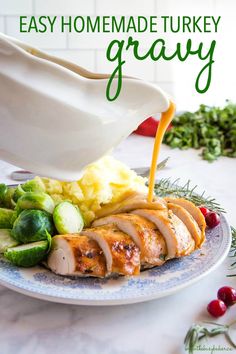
(188, 220)
(135, 201)
(178, 239)
(76, 255)
(144, 233)
(194, 211)
(122, 255)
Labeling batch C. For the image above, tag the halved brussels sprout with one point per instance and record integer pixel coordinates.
(3, 191)
(18, 193)
(34, 185)
(27, 255)
(7, 218)
(6, 198)
(36, 200)
(6, 240)
(32, 225)
(67, 218)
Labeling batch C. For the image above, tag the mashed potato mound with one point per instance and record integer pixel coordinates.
(105, 181)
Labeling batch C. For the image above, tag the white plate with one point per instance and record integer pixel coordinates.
(150, 284)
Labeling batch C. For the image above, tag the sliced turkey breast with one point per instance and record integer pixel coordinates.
(135, 201)
(122, 255)
(188, 220)
(178, 239)
(194, 211)
(144, 233)
(76, 255)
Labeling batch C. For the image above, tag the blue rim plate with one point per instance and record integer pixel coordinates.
(151, 284)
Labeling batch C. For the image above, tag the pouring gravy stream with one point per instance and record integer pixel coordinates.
(166, 118)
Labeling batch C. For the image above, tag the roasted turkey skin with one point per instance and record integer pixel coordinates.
(144, 233)
(121, 253)
(76, 255)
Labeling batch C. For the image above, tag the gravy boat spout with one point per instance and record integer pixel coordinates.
(54, 121)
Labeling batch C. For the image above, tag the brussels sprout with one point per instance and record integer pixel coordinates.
(18, 193)
(36, 200)
(49, 238)
(67, 218)
(3, 191)
(34, 185)
(27, 255)
(7, 218)
(6, 240)
(7, 198)
(31, 225)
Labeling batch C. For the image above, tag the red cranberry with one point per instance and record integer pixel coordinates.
(204, 211)
(216, 308)
(227, 294)
(212, 219)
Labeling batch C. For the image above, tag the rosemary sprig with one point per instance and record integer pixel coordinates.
(165, 187)
(233, 244)
(232, 252)
(198, 331)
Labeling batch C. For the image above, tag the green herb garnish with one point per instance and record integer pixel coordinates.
(165, 187)
(198, 331)
(232, 252)
(210, 128)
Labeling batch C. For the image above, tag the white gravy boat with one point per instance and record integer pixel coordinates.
(54, 121)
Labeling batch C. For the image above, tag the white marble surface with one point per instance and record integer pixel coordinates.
(30, 326)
